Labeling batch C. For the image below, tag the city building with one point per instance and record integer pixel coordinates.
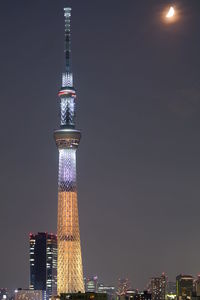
(123, 286)
(184, 287)
(29, 295)
(43, 262)
(108, 290)
(158, 287)
(145, 295)
(3, 293)
(67, 138)
(91, 284)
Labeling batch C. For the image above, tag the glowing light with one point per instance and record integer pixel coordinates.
(170, 13)
(67, 169)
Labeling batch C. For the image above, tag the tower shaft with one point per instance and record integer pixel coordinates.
(69, 272)
(70, 276)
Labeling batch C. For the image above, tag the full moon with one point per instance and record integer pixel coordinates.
(170, 13)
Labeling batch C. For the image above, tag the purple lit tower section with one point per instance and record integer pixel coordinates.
(69, 272)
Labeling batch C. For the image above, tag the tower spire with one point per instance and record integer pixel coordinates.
(67, 14)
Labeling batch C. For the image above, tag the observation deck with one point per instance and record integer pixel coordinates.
(66, 138)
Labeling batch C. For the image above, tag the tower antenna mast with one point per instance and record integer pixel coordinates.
(67, 15)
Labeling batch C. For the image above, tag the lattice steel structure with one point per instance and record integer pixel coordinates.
(69, 272)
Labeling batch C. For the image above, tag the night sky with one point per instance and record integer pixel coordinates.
(138, 85)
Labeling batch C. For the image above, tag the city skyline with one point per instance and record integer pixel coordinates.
(138, 176)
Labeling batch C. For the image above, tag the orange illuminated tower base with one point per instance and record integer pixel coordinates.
(70, 275)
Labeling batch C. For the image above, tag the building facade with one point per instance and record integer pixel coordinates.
(67, 138)
(158, 287)
(43, 263)
(184, 287)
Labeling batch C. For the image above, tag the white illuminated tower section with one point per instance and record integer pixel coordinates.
(69, 272)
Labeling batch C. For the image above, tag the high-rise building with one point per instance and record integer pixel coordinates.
(43, 262)
(70, 273)
(184, 287)
(158, 287)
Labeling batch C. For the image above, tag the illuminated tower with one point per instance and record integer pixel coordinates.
(69, 272)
